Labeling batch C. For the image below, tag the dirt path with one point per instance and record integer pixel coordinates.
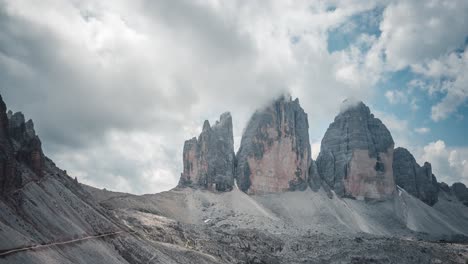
(4, 253)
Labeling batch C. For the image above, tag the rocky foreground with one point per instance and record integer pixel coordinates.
(362, 201)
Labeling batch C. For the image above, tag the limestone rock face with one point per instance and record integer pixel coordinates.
(356, 155)
(275, 154)
(416, 180)
(209, 160)
(26, 143)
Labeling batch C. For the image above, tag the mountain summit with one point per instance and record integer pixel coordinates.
(209, 160)
(287, 209)
(274, 154)
(356, 155)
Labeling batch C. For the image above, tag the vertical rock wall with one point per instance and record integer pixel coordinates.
(27, 145)
(8, 172)
(209, 160)
(356, 155)
(416, 180)
(274, 154)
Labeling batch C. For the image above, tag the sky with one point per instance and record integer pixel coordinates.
(115, 87)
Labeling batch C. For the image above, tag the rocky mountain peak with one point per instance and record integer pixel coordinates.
(274, 154)
(209, 160)
(26, 143)
(206, 126)
(20, 130)
(416, 180)
(461, 192)
(356, 154)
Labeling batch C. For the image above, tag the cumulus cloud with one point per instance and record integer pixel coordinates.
(116, 87)
(417, 31)
(448, 164)
(426, 37)
(446, 75)
(103, 80)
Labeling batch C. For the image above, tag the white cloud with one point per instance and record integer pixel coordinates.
(415, 31)
(449, 164)
(396, 97)
(104, 80)
(423, 36)
(414, 105)
(422, 130)
(315, 149)
(447, 76)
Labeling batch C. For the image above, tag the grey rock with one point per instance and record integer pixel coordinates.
(314, 178)
(275, 155)
(9, 178)
(416, 180)
(27, 145)
(209, 160)
(356, 155)
(443, 187)
(461, 192)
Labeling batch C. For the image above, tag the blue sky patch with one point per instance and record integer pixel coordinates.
(346, 34)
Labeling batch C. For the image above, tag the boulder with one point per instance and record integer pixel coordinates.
(356, 155)
(416, 180)
(209, 160)
(275, 154)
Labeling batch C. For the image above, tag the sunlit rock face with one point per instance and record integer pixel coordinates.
(416, 180)
(356, 155)
(274, 154)
(209, 160)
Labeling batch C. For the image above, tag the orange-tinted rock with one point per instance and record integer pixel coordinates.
(209, 160)
(356, 155)
(275, 154)
(364, 181)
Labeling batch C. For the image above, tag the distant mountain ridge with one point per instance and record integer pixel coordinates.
(357, 157)
(270, 203)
